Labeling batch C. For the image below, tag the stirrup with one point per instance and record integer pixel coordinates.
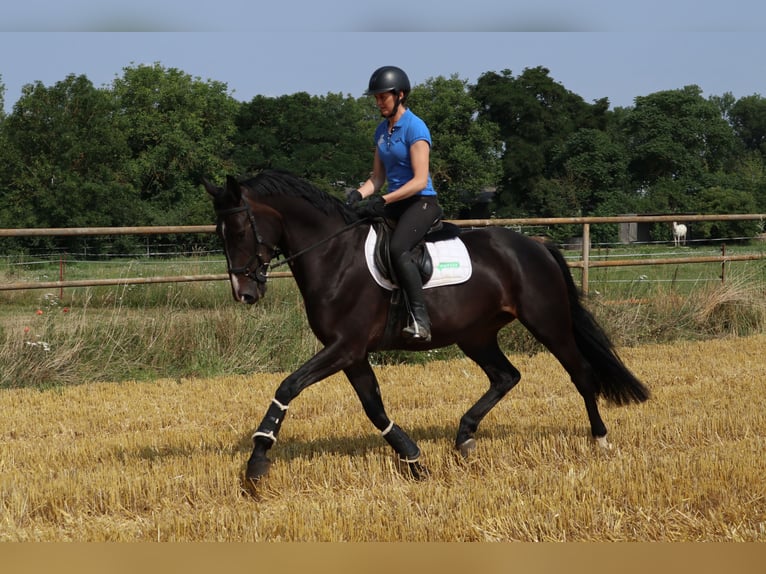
(417, 332)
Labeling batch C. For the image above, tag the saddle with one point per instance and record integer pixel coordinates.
(441, 231)
(441, 258)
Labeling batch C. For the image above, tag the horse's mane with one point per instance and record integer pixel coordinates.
(275, 183)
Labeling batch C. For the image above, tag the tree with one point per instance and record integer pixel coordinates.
(748, 175)
(2, 98)
(62, 159)
(178, 129)
(325, 139)
(465, 159)
(678, 137)
(748, 118)
(721, 201)
(595, 165)
(535, 115)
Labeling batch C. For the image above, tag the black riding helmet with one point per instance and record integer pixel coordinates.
(389, 79)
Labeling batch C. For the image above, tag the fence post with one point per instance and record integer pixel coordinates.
(585, 256)
(61, 275)
(723, 263)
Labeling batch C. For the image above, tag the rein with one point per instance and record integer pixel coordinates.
(260, 272)
(294, 256)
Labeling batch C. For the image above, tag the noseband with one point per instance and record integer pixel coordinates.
(257, 267)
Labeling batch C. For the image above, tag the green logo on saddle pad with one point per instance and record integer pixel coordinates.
(448, 265)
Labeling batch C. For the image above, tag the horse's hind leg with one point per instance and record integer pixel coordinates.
(503, 376)
(547, 325)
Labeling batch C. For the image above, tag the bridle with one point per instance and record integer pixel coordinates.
(258, 266)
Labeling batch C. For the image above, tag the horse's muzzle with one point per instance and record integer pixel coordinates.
(248, 298)
(248, 292)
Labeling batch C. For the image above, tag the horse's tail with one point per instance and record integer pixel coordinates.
(614, 380)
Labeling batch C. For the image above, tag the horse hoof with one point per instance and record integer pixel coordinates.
(467, 447)
(418, 471)
(251, 478)
(602, 443)
(257, 469)
(412, 469)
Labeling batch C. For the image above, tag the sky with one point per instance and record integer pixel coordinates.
(595, 48)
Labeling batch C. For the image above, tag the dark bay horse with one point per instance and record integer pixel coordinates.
(514, 277)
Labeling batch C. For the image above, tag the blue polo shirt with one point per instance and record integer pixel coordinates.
(394, 149)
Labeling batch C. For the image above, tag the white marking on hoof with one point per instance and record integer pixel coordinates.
(603, 443)
(269, 435)
(467, 447)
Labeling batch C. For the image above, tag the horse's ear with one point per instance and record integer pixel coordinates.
(233, 187)
(211, 188)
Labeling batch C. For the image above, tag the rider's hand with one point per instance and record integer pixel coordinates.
(375, 206)
(353, 198)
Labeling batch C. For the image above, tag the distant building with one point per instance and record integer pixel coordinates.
(633, 231)
(478, 206)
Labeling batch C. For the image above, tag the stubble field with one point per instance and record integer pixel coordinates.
(161, 460)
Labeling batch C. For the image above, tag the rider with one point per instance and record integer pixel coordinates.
(402, 157)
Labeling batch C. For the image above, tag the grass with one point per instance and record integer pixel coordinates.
(181, 330)
(160, 460)
(144, 331)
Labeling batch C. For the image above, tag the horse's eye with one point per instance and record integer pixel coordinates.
(236, 234)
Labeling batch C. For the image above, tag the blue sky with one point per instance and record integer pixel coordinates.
(595, 48)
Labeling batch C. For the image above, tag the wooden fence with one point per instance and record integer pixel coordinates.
(584, 263)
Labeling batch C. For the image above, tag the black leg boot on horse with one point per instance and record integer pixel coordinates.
(411, 284)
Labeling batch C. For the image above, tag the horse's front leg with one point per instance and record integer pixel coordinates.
(326, 362)
(362, 378)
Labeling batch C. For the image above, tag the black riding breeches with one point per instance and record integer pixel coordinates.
(414, 217)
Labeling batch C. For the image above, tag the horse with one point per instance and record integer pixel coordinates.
(276, 214)
(679, 234)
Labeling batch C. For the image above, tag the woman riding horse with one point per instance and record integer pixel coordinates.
(402, 152)
(513, 277)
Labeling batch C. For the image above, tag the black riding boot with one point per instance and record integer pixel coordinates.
(410, 282)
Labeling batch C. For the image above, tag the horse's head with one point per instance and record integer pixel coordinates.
(248, 233)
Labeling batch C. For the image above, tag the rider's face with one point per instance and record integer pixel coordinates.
(386, 103)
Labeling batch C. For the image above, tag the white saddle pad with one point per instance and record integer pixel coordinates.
(451, 262)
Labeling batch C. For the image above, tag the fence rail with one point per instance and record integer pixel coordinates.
(585, 263)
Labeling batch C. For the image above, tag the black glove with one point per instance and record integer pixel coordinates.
(353, 198)
(375, 206)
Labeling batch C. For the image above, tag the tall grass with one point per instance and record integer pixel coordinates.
(140, 333)
(735, 307)
(196, 329)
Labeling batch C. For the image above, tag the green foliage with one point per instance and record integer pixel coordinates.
(536, 115)
(327, 139)
(465, 159)
(133, 153)
(62, 159)
(676, 134)
(178, 129)
(75, 156)
(722, 201)
(595, 167)
(748, 118)
(749, 174)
